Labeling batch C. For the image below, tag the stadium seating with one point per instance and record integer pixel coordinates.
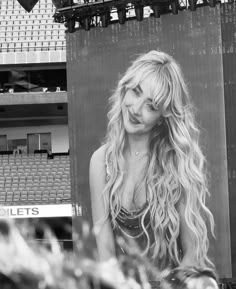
(34, 179)
(37, 29)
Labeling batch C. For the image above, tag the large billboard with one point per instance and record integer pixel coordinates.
(96, 59)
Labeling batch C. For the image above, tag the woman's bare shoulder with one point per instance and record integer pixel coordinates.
(98, 157)
(97, 160)
(97, 173)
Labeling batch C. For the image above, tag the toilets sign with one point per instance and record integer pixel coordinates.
(62, 210)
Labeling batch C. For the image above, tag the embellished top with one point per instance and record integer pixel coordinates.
(128, 225)
(129, 228)
(135, 228)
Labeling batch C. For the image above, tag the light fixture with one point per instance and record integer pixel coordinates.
(61, 3)
(156, 10)
(105, 18)
(86, 23)
(212, 3)
(121, 12)
(139, 12)
(192, 5)
(70, 24)
(174, 7)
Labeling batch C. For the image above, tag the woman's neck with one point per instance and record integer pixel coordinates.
(137, 145)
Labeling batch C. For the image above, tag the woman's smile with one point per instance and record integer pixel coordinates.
(133, 119)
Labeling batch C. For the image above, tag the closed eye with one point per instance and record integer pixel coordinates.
(137, 90)
(150, 107)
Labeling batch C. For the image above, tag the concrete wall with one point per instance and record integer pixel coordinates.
(27, 57)
(33, 98)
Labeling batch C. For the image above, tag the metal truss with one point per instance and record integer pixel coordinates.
(89, 13)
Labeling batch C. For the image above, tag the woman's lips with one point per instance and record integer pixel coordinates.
(133, 119)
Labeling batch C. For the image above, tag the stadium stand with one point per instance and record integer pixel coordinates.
(37, 182)
(34, 179)
(34, 186)
(34, 31)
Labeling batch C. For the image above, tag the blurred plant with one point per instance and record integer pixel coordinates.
(28, 264)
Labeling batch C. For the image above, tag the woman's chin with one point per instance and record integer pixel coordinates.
(133, 128)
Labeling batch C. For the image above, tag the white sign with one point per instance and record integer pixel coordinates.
(60, 210)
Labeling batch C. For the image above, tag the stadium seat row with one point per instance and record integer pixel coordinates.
(24, 31)
(41, 37)
(32, 22)
(32, 46)
(31, 179)
(16, 16)
(33, 16)
(29, 28)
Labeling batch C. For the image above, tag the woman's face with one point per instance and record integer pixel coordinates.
(139, 115)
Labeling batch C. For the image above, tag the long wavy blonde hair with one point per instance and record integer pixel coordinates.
(176, 169)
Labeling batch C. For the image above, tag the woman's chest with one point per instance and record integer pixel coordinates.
(133, 193)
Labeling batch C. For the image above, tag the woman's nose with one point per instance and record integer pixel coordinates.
(137, 106)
